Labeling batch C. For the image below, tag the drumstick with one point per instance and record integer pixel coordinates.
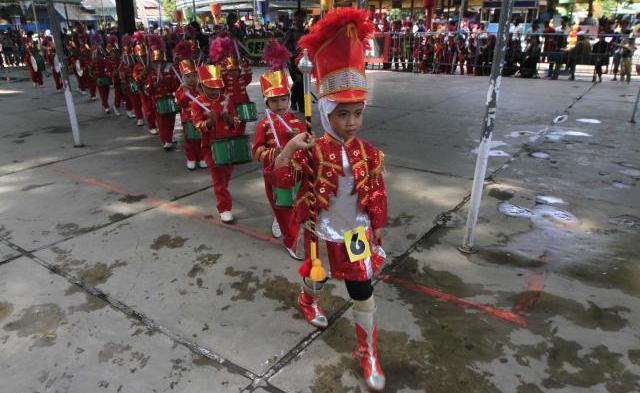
(177, 75)
(273, 128)
(200, 104)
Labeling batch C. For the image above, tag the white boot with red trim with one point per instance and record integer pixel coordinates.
(367, 350)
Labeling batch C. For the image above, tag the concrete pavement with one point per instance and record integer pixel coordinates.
(117, 276)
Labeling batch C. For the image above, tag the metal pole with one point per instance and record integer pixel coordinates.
(635, 108)
(71, 109)
(35, 18)
(487, 125)
(160, 16)
(193, 14)
(306, 67)
(66, 15)
(461, 16)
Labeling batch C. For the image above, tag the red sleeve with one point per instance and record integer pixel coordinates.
(261, 152)
(286, 176)
(199, 117)
(182, 99)
(377, 206)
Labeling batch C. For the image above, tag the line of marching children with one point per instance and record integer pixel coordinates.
(329, 186)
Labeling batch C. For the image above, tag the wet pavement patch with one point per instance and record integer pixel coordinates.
(95, 275)
(73, 229)
(132, 198)
(5, 310)
(609, 319)
(119, 217)
(587, 368)
(109, 350)
(500, 193)
(626, 221)
(39, 322)
(168, 241)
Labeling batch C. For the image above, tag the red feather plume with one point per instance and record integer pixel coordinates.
(96, 39)
(220, 49)
(327, 27)
(112, 39)
(138, 37)
(276, 55)
(154, 41)
(183, 50)
(127, 40)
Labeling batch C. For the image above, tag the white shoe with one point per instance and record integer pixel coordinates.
(191, 165)
(131, 115)
(35, 84)
(226, 217)
(202, 164)
(94, 98)
(168, 146)
(59, 90)
(82, 92)
(275, 229)
(116, 111)
(140, 123)
(107, 110)
(153, 131)
(293, 254)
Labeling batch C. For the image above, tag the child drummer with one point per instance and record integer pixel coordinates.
(217, 121)
(273, 132)
(342, 197)
(192, 147)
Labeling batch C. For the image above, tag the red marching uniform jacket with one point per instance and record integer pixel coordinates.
(164, 86)
(236, 88)
(264, 144)
(221, 129)
(184, 102)
(324, 167)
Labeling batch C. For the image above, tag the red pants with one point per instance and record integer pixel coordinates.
(57, 78)
(220, 177)
(148, 109)
(36, 76)
(104, 96)
(134, 100)
(166, 123)
(285, 217)
(119, 96)
(90, 83)
(340, 266)
(192, 147)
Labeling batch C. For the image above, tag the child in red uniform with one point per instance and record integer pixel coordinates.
(54, 63)
(192, 138)
(128, 84)
(218, 121)
(160, 85)
(342, 192)
(102, 70)
(34, 63)
(140, 71)
(273, 132)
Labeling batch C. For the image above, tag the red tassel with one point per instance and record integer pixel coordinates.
(305, 269)
(276, 55)
(183, 50)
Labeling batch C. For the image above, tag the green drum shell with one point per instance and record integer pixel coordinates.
(104, 81)
(231, 151)
(40, 63)
(247, 112)
(133, 86)
(285, 197)
(191, 132)
(167, 106)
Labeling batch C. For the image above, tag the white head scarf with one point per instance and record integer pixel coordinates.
(326, 107)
